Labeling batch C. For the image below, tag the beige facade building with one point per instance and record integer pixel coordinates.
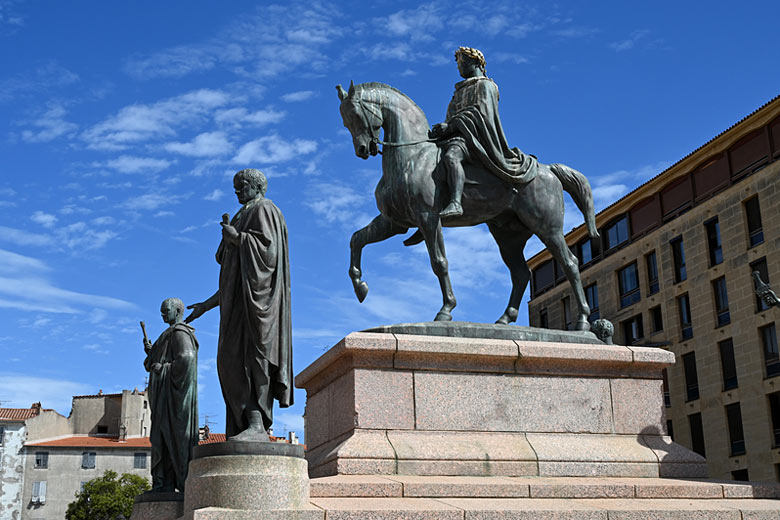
(46, 457)
(673, 269)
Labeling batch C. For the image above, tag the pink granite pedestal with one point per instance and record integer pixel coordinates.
(384, 404)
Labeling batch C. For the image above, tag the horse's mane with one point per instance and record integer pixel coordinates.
(377, 84)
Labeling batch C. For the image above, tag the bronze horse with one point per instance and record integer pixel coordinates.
(412, 192)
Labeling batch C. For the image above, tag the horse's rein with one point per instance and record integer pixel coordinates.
(375, 138)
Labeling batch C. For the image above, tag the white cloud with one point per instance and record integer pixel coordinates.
(576, 32)
(150, 201)
(46, 220)
(504, 57)
(207, 144)
(237, 116)
(142, 122)
(301, 95)
(273, 149)
(340, 204)
(50, 125)
(214, 195)
(417, 24)
(77, 236)
(24, 238)
(132, 164)
(630, 42)
(14, 263)
(37, 291)
(46, 77)
(21, 390)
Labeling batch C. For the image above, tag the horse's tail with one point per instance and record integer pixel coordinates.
(577, 185)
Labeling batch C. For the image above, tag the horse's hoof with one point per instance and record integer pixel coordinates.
(443, 316)
(582, 324)
(361, 290)
(503, 320)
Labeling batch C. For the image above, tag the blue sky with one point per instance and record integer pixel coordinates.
(122, 123)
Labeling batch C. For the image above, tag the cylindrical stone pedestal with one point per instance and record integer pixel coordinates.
(158, 506)
(242, 479)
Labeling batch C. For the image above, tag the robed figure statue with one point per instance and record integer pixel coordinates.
(254, 356)
(172, 363)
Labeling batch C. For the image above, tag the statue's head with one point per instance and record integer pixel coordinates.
(172, 310)
(249, 184)
(361, 118)
(469, 59)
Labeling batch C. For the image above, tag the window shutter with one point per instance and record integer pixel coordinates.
(92, 459)
(36, 491)
(42, 492)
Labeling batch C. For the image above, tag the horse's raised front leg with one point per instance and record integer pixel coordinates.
(511, 241)
(381, 228)
(434, 241)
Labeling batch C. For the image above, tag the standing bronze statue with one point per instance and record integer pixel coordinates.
(511, 192)
(254, 355)
(172, 363)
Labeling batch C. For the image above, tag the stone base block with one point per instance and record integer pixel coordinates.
(386, 403)
(253, 477)
(158, 506)
(217, 513)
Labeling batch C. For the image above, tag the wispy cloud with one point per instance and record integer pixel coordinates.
(48, 126)
(214, 195)
(46, 220)
(630, 42)
(238, 116)
(207, 144)
(273, 149)
(44, 78)
(132, 164)
(301, 95)
(142, 122)
(151, 201)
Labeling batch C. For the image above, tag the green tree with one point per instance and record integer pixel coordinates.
(107, 497)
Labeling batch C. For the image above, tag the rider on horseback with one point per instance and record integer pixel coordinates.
(473, 132)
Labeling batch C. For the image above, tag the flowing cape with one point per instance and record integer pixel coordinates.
(479, 125)
(173, 398)
(254, 303)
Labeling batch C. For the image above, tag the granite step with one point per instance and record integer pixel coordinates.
(400, 486)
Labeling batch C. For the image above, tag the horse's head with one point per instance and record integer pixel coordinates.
(363, 120)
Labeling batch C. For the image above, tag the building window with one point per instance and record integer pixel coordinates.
(740, 474)
(769, 340)
(566, 313)
(760, 266)
(585, 252)
(727, 364)
(652, 273)
(774, 409)
(628, 282)
(41, 459)
(691, 377)
(139, 461)
(686, 327)
(667, 397)
(592, 297)
(697, 434)
(2, 434)
(632, 330)
(616, 233)
(102, 429)
(753, 216)
(88, 460)
(670, 429)
(736, 435)
(678, 255)
(714, 244)
(543, 319)
(39, 492)
(657, 319)
(721, 301)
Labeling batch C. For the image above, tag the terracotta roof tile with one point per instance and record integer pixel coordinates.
(95, 442)
(18, 414)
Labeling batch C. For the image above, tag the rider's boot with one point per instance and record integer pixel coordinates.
(453, 209)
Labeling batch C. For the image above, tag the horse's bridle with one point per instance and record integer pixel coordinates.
(375, 138)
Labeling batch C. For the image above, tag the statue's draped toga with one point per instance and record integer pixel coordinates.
(173, 399)
(254, 356)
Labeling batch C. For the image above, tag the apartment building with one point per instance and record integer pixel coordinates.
(672, 269)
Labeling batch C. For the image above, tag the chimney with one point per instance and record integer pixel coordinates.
(36, 407)
(292, 438)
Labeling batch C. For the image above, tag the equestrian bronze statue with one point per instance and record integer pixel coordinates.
(461, 173)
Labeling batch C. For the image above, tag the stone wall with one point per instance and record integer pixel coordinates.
(11, 470)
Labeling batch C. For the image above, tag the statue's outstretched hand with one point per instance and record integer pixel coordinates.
(197, 311)
(147, 345)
